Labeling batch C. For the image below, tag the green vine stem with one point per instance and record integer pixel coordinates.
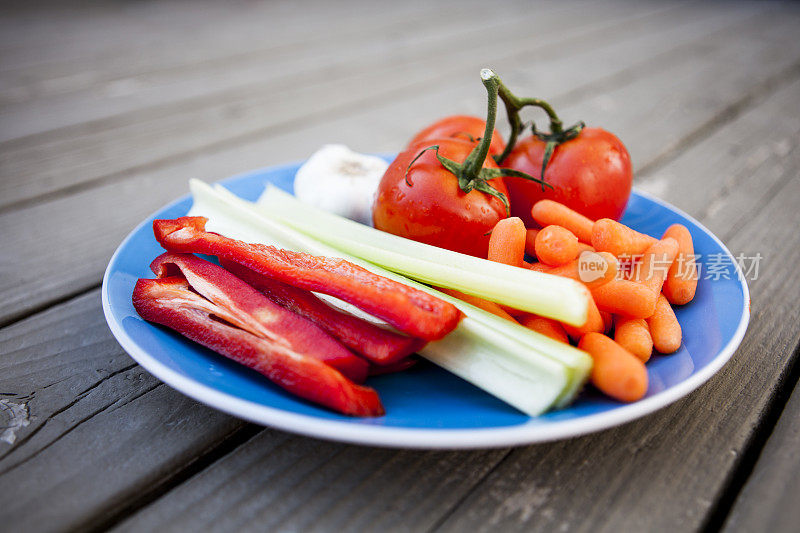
(557, 135)
(471, 174)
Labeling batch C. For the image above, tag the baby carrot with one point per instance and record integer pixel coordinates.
(664, 327)
(583, 247)
(608, 321)
(616, 372)
(584, 269)
(486, 305)
(594, 323)
(656, 261)
(545, 326)
(623, 297)
(507, 242)
(548, 212)
(540, 267)
(530, 241)
(633, 334)
(611, 236)
(681, 282)
(556, 245)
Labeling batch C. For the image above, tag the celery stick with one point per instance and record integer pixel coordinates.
(525, 369)
(577, 361)
(551, 296)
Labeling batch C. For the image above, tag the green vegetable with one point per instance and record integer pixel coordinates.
(529, 371)
(546, 295)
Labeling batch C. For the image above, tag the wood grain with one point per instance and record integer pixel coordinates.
(615, 480)
(309, 91)
(97, 440)
(78, 220)
(690, 450)
(768, 501)
(95, 430)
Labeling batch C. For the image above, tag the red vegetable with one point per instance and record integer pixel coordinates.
(392, 368)
(462, 127)
(424, 202)
(589, 169)
(407, 309)
(248, 309)
(591, 174)
(169, 302)
(377, 344)
(446, 192)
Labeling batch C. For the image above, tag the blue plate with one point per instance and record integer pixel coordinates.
(427, 407)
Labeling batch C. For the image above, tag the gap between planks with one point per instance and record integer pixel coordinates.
(289, 123)
(760, 92)
(753, 450)
(499, 463)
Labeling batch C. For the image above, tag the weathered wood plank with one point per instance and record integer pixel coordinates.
(321, 473)
(233, 55)
(666, 472)
(94, 151)
(74, 219)
(368, 483)
(768, 501)
(93, 429)
(49, 41)
(614, 480)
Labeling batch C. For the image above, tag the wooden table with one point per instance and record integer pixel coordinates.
(109, 108)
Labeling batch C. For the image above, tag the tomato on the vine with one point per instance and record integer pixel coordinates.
(462, 127)
(424, 201)
(590, 173)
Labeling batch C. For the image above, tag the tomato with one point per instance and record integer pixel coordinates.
(431, 207)
(460, 127)
(591, 173)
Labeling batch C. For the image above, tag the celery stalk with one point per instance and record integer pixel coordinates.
(529, 371)
(551, 296)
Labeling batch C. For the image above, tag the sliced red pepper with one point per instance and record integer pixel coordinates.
(398, 366)
(170, 302)
(380, 345)
(251, 311)
(412, 311)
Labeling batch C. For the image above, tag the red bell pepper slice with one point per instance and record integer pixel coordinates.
(170, 302)
(412, 311)
(380, 345)
(397, 366)
(251, 311)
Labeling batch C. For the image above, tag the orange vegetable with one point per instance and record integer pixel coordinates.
(545, 326)
(608, 321)
(540, 267)
(583, 247)
(616, 372)
(530, 241)
(681, 282)
(611, 236)
(507, 242)
(548, 212)
(664, 327)
(572, 270)
(556, 245)
(656, 261)
(594, 323)
(486, 305)
(623, 297)
(633, 334)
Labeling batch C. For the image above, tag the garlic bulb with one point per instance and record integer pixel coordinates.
(340, 181)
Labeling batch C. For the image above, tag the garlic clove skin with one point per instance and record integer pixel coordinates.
(341, 181)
